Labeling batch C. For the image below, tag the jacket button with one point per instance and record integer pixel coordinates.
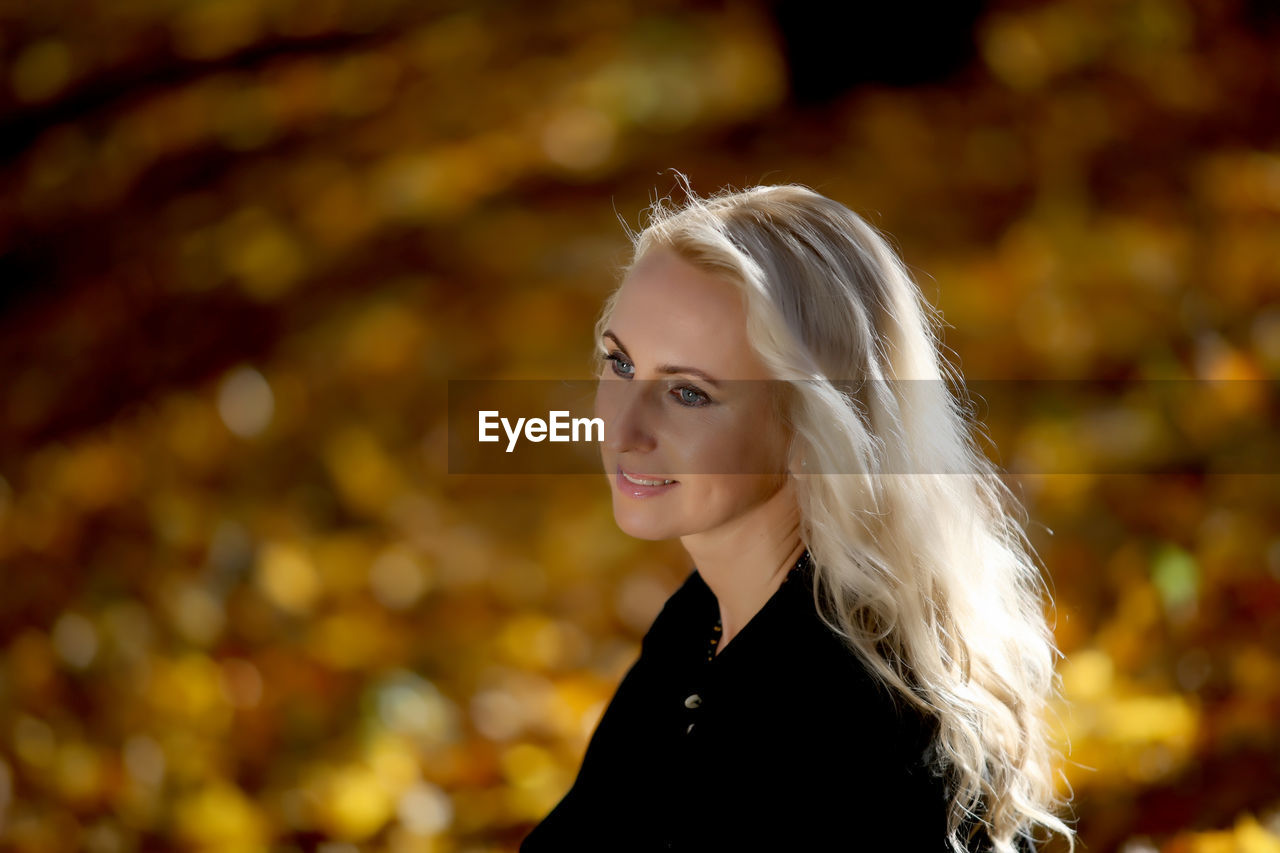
(693, 700)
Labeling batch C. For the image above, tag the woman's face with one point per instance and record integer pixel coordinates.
(674, 406)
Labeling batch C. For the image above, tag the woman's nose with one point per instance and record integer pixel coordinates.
(625, 408)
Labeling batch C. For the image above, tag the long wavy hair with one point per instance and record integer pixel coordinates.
(920, 562)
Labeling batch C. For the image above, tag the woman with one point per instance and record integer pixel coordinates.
(859, 658)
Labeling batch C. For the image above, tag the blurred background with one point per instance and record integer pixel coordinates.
(244, 244)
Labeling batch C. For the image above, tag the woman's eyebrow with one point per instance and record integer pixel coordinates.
(666, 368)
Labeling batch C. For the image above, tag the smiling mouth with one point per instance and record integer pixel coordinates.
(642, 481)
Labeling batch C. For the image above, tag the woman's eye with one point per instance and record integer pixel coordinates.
(690, 396)
(620, 367)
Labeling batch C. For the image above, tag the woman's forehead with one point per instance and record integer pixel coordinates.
(662, 274)
(670, 312)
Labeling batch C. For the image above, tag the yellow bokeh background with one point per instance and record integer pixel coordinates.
(246, 244)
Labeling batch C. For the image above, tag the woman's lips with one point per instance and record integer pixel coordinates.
(640, 490)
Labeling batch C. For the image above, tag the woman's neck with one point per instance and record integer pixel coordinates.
(744, 562)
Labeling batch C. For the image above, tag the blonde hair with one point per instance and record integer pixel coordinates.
(920, 564)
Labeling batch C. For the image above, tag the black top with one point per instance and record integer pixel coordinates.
(781, 741)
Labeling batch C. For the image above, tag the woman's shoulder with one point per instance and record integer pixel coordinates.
(842, 692)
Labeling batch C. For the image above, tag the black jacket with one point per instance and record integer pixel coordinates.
(779, 742)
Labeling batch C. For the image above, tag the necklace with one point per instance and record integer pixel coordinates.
(718, 629)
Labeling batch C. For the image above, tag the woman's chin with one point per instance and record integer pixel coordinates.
(653, 529)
